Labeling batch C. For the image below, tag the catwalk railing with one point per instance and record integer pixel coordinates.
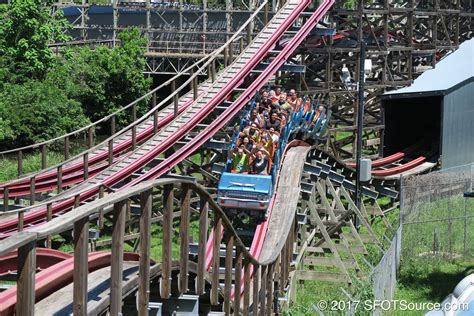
(244, 264)
(127, 138)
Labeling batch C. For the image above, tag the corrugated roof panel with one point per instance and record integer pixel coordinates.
(454, 69)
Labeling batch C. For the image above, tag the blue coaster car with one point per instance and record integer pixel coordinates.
(244, 191)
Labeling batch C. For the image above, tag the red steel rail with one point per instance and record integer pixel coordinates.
(38, 216)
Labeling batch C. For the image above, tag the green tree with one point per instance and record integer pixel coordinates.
(26, 29)
(35, 111)
(105, 79)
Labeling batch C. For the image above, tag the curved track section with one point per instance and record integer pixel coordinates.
(45, 258)
(72, 171)
(55, 277)
(188, 123)
(286, 202)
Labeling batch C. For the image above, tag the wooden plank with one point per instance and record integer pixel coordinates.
(342, 248)
(20, 163)
(118, 232)
(5, 199)
(44, 156)
(371, 142)
(238, 280)
(247, 268)
(59, 182)
(229, 256)
(146, 200)
(32, 190)
(203, 227)
(353, 261)
(361, 218)
(21, 221)
(184, 236)
(49, 216)
(283, 266)
(263, 290)
(216, 259)
(81, 235)
(269, 287)
(9, 244)
(85, 159)
(101, 210)
(324, 262)
(26, 279)
(255, 290)
(328, 240)
(168, 197)
(321, 276)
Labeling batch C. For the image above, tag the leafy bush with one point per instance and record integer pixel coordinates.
(36, 111)
(26, 29)
(105, 79)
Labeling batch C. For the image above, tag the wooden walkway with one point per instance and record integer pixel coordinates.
(98, 293)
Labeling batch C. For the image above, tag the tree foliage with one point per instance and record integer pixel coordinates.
(43, 95)
(36, 111)
(26, 29)
(105, 79)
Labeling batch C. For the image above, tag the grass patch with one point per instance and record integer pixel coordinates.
(433, 259)
(31, 163)
(429, 279)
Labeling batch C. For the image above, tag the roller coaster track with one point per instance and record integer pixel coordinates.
(176, 130)
(271, 238)
(250, 270)
(188, 121)
(383, 181)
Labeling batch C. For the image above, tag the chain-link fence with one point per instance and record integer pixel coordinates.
(437, 220)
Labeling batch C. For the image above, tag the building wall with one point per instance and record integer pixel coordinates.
(458, 127)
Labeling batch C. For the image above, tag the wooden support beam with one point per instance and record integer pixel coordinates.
(112, 125)
(146, 200)
(32, 190)
(238, 280)
(85, 160)
(49, 216)
(44, 156)
(5, 199)
(361, 218)
(269, 299)
(175, 98)
(168, 197)
(229, 256)
(134, 137)
(329, 242)
(90, 137)
(59, 182)
(66, 148)
(246, 306)
(20, 163)
(81, 235)
(184, 238)
(21, 220)
(203, 227)
(256, 289)
(25, 293)
(155, 121)
(116, 274)
(216, 259)
(263, 290)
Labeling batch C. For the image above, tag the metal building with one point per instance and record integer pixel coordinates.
(435, 115)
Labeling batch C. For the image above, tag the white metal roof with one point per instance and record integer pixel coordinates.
(452, 70)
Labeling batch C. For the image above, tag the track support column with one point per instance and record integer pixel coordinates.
(145, 237)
